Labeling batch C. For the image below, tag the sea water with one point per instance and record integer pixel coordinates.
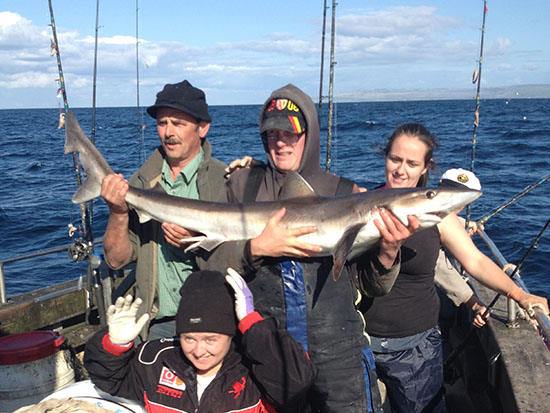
(511, 152)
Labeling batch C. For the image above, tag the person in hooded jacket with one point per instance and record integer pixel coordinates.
(210, 367)
(288, 281)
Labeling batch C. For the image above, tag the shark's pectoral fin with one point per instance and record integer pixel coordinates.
(143, 216)
(342, 249)
(204, 242)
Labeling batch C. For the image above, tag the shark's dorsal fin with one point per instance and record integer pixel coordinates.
(158, 188)
(342, 249)
(295, 186)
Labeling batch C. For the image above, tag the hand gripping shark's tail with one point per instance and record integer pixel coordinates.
(94, 164)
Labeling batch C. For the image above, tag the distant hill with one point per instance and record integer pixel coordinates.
(503, 92)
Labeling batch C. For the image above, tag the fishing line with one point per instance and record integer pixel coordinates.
(477, 78)
(511, 201)
(452, 356)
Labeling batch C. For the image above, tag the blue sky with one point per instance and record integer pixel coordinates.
(239, 51)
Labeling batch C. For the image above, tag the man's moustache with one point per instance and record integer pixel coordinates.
(170, 141)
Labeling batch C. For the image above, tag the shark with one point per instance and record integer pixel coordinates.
(345, 224)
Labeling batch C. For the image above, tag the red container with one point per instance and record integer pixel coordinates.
(29, 346)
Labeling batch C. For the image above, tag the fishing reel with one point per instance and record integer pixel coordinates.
(80, 250)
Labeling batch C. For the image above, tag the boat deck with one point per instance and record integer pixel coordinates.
(501, 369)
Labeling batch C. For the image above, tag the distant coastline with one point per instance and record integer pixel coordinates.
(392, 95)
(401, 95)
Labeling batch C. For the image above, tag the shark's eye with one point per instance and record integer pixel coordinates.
(430, 194)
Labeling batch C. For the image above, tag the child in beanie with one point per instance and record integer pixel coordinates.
(203, 367)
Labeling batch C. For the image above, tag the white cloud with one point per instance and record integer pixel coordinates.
(27, 80)
(18, 32)
(500, 46)
(394, 21)
(117, 40)
(397, 36)
(150, 61)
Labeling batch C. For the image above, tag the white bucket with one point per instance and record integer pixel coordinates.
(32, 367)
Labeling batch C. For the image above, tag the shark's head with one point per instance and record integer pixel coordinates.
(429, 205)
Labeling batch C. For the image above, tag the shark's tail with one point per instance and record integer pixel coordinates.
(94, 164)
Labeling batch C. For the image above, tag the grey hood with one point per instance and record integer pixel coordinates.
(324, 183)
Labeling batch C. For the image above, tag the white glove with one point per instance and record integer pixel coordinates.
(121, 318)
(244, 301)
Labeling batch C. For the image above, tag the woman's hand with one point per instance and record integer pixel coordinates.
(393, 232)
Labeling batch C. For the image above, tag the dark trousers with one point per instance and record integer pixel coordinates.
(414, 377)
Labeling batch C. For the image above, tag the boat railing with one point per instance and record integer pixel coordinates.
(541, 318)
(77, 248)
(35, 254)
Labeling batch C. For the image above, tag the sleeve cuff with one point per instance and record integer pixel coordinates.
(115, 349)
(380, 268)
(251, 263)
(249, 321)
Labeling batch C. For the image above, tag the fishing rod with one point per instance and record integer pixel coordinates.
(92, 136)
(140, 128)
(81, 250)
(477, 78)
(511, 201)
(93, 279)
(520, 264)
(453, 355)
(94, 86)
(330, 94)
(55, 48)
(322, 64)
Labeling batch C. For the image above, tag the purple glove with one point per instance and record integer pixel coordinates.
(244, 301)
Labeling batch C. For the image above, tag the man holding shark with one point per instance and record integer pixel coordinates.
(183, 166)
(287, 277)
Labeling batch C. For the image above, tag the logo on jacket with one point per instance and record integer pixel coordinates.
(238, 387)
(168, 378)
